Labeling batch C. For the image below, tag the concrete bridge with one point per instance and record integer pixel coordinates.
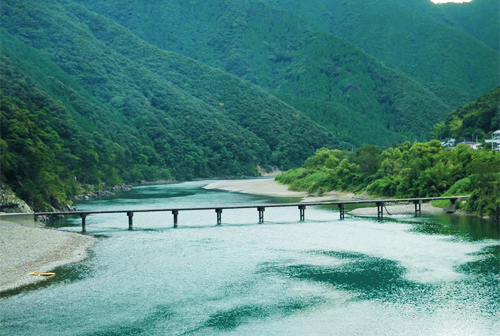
(380, 203)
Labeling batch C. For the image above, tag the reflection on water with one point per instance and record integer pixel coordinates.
(367, 276)
(403, 276)
(230, 319)
(468, 227)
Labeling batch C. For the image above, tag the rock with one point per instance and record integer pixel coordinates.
(10, 203)
(104, 193)
(41, 220)
(70, 208)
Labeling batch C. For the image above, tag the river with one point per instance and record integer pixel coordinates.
(359, 276)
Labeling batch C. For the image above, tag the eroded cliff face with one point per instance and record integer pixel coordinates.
(10, 203)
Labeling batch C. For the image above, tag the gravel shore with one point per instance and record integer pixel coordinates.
(26, 249)
(29, 249)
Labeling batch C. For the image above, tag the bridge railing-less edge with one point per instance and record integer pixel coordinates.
(380, 203)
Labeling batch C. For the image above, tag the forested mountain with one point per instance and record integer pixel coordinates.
(474, 121)
(479, 18)
(336, 84)
(426, 40)
(106, 92)
(103, 106)
(416, 169)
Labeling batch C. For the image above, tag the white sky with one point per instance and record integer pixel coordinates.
(442, 1)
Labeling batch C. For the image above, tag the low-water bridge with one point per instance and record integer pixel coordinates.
(260, 208)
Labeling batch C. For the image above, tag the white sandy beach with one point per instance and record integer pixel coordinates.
(269, 187)
(30, 249)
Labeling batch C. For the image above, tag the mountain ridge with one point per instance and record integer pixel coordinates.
(121, 120)
(409, 35)
(319, 74)
(85, 100)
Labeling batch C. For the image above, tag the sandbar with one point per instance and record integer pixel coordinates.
(270, 187)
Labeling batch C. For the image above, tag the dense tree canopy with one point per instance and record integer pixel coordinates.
(413, 169)
(105, 107)
(336, 84)
(102, 93)
(474, 121)
(441, 45)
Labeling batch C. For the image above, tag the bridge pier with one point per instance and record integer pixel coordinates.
(261, 208)
(261, 214)
(453, 204)
(175, 213)
(418, 208)
(452, 207)
(219, 216)
(342, 210)
(302, 210)
(130, 215)
(380, 210)
(83, 216)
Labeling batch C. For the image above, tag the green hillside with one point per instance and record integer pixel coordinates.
(45, 152)
(479, 18)
(104, 106)
(476, 120)
(415, 169)
(102, 93)
(336, 84)
(424, 40)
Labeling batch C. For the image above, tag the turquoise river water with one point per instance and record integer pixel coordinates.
(435, 275)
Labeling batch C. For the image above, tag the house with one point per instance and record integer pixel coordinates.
(471, 144)
(495, 141)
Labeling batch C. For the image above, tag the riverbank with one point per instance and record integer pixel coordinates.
(31, 249)
(269, 187)
(397, 209)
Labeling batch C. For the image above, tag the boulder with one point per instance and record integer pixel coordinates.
(10, 203)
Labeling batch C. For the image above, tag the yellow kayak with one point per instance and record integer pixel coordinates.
(45, 274)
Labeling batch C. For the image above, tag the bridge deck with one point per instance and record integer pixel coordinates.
(371, 201)
(260, 207)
